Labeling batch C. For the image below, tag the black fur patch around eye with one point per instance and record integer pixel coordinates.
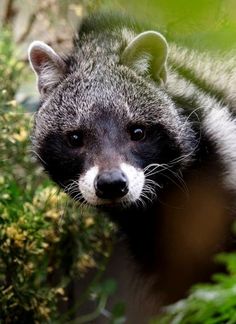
(59, 161)
(158, 147)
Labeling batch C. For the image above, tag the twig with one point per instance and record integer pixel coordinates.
(28, 28)
(9, 12)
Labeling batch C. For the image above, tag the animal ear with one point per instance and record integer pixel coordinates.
(153, 47)
(47, 65)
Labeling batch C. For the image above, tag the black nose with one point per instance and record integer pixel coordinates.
(111, 184)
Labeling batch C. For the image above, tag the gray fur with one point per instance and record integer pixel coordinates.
(97, 62)
(196, 106)
(93, 76)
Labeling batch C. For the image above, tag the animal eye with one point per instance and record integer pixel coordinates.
(137, 133)
(75, 139)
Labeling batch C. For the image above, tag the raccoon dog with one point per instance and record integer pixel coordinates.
(146, 131)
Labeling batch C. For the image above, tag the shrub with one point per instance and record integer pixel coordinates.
(44, 241)
(212, 303)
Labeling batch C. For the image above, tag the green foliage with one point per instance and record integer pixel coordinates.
(212, 303)
(45, 242)
(42, 234)
(10, 68)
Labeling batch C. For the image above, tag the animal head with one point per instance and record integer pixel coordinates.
(105, 132)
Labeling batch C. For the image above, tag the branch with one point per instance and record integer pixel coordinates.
(9, 12)
(27, 29)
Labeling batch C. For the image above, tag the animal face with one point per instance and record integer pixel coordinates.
(105, 134)
(97, 139)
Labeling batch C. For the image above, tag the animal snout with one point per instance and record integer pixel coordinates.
(111, 184)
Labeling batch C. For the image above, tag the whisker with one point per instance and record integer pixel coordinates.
(156, 168)
(38, 155)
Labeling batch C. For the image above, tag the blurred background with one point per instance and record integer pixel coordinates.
(46, 243)
(205, 24)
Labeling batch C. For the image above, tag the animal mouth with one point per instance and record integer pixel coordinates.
(110, 203)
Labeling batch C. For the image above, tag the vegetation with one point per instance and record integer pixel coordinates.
(45, 243)
(212, 303)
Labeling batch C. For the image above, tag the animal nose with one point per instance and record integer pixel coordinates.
(111, 184)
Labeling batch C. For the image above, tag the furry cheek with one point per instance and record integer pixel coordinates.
(136, 181)
(86, 186)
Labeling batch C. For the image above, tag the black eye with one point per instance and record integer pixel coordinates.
(137, 133)
(75, 139)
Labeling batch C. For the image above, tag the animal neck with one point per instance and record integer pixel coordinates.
(174, 240)
(140, 227)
